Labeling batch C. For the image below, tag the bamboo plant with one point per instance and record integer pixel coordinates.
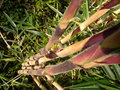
(97, 50)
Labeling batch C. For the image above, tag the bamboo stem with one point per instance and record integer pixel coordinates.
(61, 27)
(37, 81)
(54, 82)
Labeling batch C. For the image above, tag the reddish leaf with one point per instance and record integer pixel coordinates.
(105, 60)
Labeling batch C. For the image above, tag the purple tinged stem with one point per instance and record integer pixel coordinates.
(69, 14)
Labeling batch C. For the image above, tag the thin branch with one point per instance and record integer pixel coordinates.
(8, 46)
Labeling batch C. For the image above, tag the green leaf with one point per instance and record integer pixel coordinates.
(86, 88)
(8, 29)
(29, 27)
(55, 10)
(21, 42)
(2, 77)
(10, 20)
(109, 72)
(108, 87)
(27, 15)
(9, 59)
(20, 84)
(90, 85)
(116, 69)
(87, 8)
(36, 33)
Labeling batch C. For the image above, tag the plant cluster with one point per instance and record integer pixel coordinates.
(88, 40)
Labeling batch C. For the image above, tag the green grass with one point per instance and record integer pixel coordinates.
(23, 25)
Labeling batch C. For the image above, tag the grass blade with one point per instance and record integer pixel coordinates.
(109, 72)
(55, 10)
(10, 20)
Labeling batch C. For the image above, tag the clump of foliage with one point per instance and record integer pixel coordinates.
(29, 29)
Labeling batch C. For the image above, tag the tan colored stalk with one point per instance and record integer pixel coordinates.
(49, 78)
(117, 11)
(8, 46)
(37, 81)
(54, 82)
